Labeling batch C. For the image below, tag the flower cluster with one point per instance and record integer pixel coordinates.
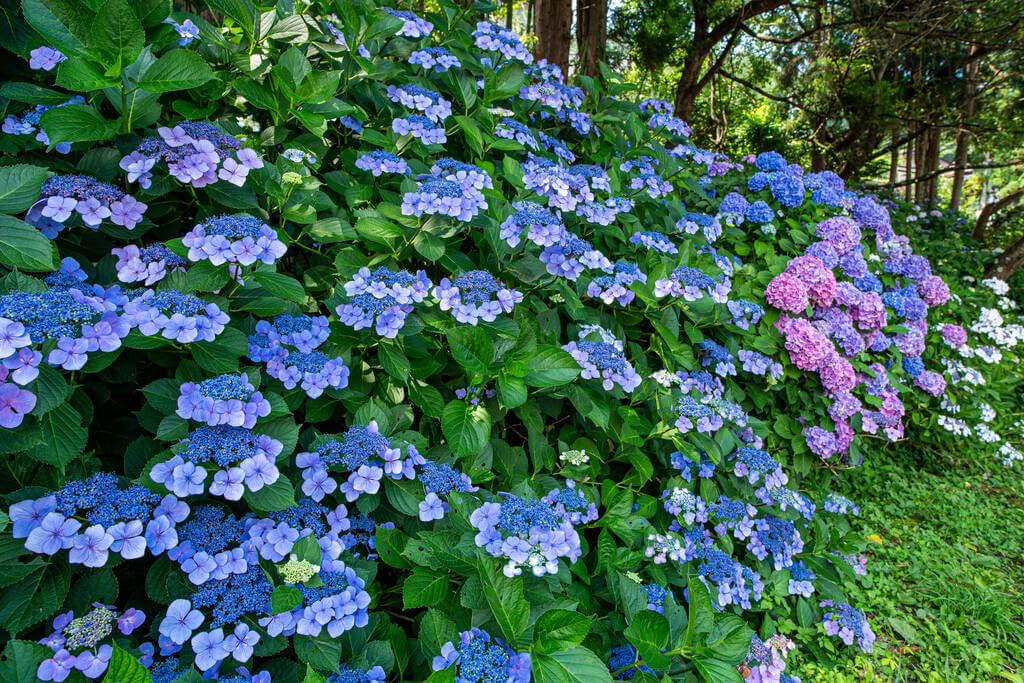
(479, 657)
(146, 264)
(180, 317)
(240, 460)
(474, 296)
(78, 643)
(125, 521)
(444, 197)
(363, 452)
(382, 298)
(532, 534)
(239, 240)
(224, 400)
(603, 359)
(195, 153)
(63, 197)
(849, 624)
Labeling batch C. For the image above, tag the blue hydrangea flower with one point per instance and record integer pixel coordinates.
(480, 658)
(476, 295)
(849, 624)
(604, 359)
(436, 58)
(379, 162)
(239, 240)
(223, 400)
(489, 36)
(196, 153)
(181, 317)
(383, 298)
(445, 197)
(146, 264)
(542, 227)
(62, 197)
(433, 106)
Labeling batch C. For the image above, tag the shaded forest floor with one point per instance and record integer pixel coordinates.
(945, 585)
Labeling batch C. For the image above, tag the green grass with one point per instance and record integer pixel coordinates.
(945, 586)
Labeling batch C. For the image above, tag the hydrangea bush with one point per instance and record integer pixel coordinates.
(351, 345)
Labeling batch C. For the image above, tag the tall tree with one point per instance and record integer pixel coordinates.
(591, 34)
(552, 24)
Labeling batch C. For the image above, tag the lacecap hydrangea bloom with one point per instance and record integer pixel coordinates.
(196, 153)
(240, 240)
(180, 317)
(147, 264)
(63, 197)
(224, 400)
(363, 452)
(474, 296)
(530, 534)
(78, 643)
(312, 370)
(601, 356)
(382, 298)
(125, 521)
(480, 657)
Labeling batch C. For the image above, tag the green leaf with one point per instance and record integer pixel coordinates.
(393, 360)
(730, 638)
(117, 34)
(24, 247)
(281, 285)
(649, 633)
(30, 93)
(424, 588)
(19, 187)
(176, 70)
(222, 354)
(76, 123)
(701, 614)
(272, 497)
(312, 676)
(124, 668)
(36, 597)
(559, 629)
(578, 665)
(465, 427)
(21, 659)
(63, 436)
(551, 367)
(322, 652)
(285, 599)
(471, 347)
(12, 569)
(436, 629)
(78, 73)
(511, 390)
(716, 671)
(505, 597)
(63, 23)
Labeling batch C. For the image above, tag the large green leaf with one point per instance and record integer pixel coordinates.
(471, 348)
(578, 665)
(649, 633)
(124, 668)
(23, 246)
(558, 630)
(117, 34)
(424, 588)
(465, 427)
(550, 366)
(76, 123)
(176, 70)
(505, 597)
(19, 187)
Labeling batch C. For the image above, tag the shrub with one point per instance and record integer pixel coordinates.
(363, 347)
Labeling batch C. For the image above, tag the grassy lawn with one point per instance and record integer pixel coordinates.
(945, 586)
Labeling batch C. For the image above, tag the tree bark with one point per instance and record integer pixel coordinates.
(894, 161)
(908, 172)
(932, 163)
(552, 24)
(962, 138)
(591, 35)
(705, 37)
(1008, 262)
(990, 210)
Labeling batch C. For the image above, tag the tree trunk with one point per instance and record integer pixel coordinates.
(908, 172)
(1008, 262)
(552, 24)
(508, 14)
(962, 138)
(990, 210)
(591, 34)
(688, 87)
(920, 155)
(932, 164)
(894, 160)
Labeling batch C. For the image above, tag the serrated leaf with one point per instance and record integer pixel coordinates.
(22, 246)
(19, 187)
(424, 588)
(124, 668)
(578, 665)
(465, 427)
(558, 630)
